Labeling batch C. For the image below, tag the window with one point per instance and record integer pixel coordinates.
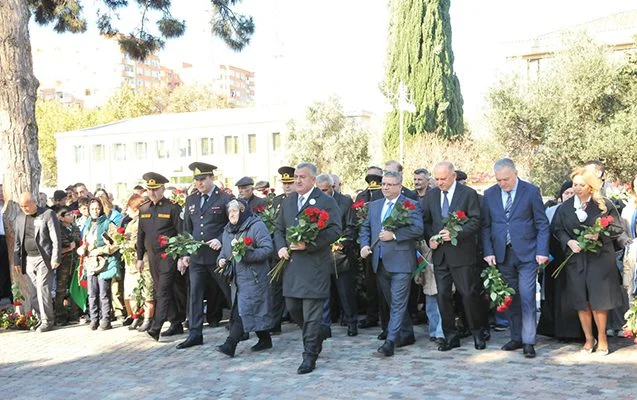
(141, 150)
(252, 143)
(98, 152)
(78, 154)
(162, 149)
(207, 146)
(276, 141)
(184, 149)
(119, 152)
(231, 144)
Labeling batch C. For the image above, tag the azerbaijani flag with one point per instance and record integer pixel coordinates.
(79, 287)
(422, 263)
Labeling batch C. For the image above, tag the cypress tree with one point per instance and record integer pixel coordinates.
(420, 54)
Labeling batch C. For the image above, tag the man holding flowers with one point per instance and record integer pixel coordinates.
(306, 277)
(389, 234)
(515, 235)
(452, 223)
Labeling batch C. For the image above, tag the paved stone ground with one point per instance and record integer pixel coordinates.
(76, 363)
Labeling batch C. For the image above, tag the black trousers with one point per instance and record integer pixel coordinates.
(309, 313)
(200, 278)
(466, 278)
(170, 291)
(5, 270)
(343, 296)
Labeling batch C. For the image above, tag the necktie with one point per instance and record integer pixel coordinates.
(390, 205)
(205, 198)
(507, 214)
(301, 201)
(445, 206)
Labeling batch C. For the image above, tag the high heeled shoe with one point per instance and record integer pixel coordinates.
(592, 349)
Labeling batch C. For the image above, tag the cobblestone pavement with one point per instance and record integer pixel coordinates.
(76, 363)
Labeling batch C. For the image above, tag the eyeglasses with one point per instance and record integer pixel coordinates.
(389, 184)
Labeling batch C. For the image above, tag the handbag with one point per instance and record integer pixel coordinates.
(94, 265)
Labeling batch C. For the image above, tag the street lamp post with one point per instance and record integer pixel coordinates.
(404, 104)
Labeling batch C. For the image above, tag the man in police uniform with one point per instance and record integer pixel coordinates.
(246, 192)
(160, 216)
(276, 288)
(205, 216)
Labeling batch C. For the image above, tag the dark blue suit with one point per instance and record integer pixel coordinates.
(397, 264)
(528, 229)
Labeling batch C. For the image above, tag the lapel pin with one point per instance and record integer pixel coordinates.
(312, 202)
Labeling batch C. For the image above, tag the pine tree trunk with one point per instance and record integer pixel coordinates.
(19, 141)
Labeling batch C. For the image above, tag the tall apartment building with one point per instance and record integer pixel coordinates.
(236, 83)
(92, 68)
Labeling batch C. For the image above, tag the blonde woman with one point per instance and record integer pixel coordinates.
(593, 281)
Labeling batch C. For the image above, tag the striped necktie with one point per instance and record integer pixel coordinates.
(507, 214)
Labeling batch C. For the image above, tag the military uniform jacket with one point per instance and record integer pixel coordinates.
(206, 223)
(307, 275)
(155, 220)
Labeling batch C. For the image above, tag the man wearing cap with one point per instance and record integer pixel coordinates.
(262, 188)
(205, 216)
(306, 278)
(246, 192)
(276, 287)
(157, 218)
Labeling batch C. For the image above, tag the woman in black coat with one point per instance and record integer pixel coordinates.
(593, 281)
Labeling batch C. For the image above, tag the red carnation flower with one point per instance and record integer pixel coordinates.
(272, 190)
(121, 230)
(409, 205)
(501, 308)
(508, 300)
(605, 221)
(461, 214)
(321, 224)
(17, 303)
(309, 212)
(248, 241)
(324, 215)
(358, 204)
(75, 213)
(164, 256)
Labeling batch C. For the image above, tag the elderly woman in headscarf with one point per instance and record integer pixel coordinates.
(251, 308)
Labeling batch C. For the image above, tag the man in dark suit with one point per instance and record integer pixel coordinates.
(246, 192)
(276, 287)
(160, 217)
(455, 264)
(342, 273)
(205, 216)
(37, 252)
(393, 259)
(306, 278)
(515, 235)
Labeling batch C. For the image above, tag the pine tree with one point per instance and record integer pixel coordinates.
(420, 55)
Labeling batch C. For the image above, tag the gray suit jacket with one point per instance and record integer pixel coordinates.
(398, 255)
(47, 238)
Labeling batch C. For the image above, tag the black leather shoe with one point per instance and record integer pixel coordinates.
(276, 330)
(128, 321)
(512, 345)
(528, 350)
(326, 332)
(486, 334)
(383, 335)
(191, 341)
(153, 334)
(440, 341)
(387, 349)
(409, 340)
(227, 349)
(479, 342)
(246, 336)
(364, 324)
(352, 330)
(175, 329)
(449, 344)
(306, 366)
(262, 344)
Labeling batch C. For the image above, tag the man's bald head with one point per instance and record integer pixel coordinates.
(27, 204)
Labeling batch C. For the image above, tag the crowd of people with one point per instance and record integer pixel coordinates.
(365, 256)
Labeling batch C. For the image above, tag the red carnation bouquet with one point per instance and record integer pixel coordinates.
(497, 291)
(183, 244)
(599, 228)
(311, 222)
(453, 223)
(239, 247)
(179, 197)
(360, 212)
(126, 246)
(398, 218)
(268, 213)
